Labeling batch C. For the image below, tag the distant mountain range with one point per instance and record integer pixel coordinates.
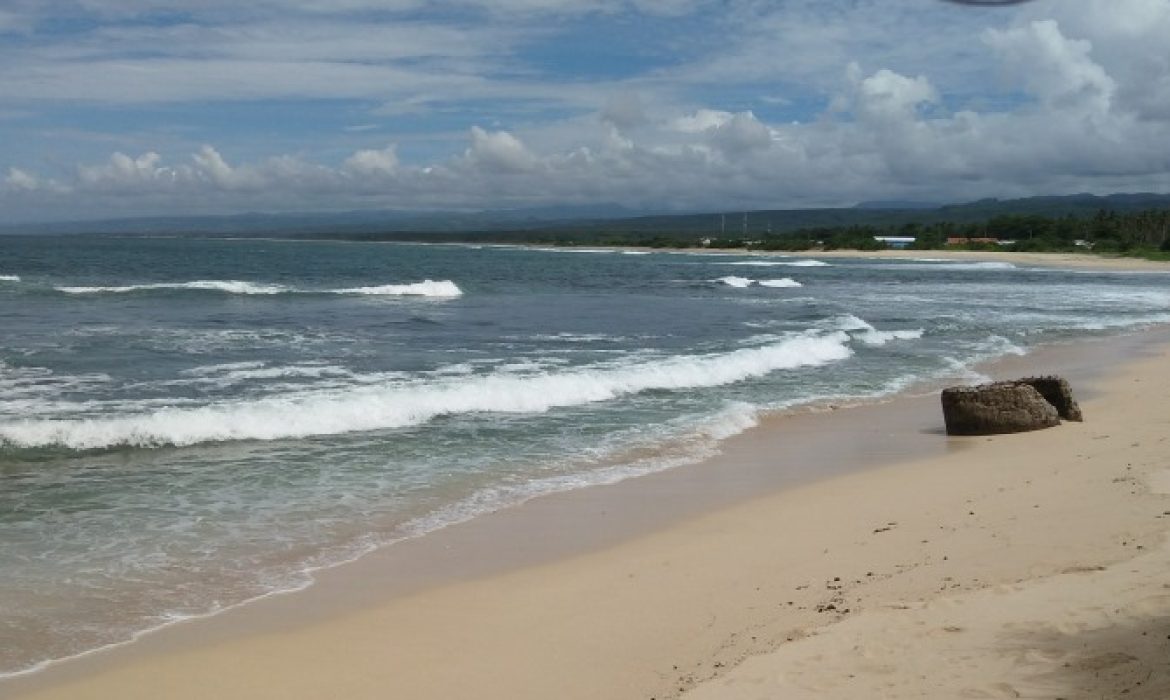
(596, 220)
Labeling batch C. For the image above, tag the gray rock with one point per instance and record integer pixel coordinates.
(1057, 392)
(991, 409)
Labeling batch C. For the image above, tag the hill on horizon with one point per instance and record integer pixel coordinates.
(598, 219)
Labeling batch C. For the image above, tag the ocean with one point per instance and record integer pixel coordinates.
(188, 424)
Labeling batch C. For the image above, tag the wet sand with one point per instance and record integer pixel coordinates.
(774, 568)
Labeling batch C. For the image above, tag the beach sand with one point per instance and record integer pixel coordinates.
(1066, 260)
(852, 553)
(1086, 261)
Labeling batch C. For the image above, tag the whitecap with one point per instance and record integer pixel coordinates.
(401, 404)
(778, 263)
(864, 332)
(950, 265)
(782, 283)
(443, 289)
(227, 286)
(737, 282)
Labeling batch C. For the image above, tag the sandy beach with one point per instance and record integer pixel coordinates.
(1085, 261)
(1074, 260)
(900, 563)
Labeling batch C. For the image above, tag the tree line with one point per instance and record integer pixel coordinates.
(1142, 232)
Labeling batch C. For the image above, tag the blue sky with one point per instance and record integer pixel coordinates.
(143, 107)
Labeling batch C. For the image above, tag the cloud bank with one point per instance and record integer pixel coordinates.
(395, 104)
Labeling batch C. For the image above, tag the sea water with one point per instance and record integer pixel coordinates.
(187, 424)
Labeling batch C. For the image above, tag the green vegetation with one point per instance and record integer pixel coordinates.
(1119, 224)
(1143, 233)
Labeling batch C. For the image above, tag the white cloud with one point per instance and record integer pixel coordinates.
(887, 96)
(124, 173)
(19, 180)
(1058, 70)
(733, 134)
(373, 162)
(498, 151)
(765, 105)
(702, 120)
(741, 134)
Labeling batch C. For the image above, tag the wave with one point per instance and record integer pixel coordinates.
(426, 288)
(395, 405)
(864, 332)
(227, 286)
(737, 282)
(778, 263)
(939, 264)
(579, 337)
(782, 283)
(744, 282)
(9, 278)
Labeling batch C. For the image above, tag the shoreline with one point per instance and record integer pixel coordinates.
(1077, 261)
(1065, 260)
(568, 530)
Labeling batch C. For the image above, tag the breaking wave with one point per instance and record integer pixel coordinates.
(782, 283)
(864, 332)
(744, 282)
(737, 282)
(426, 288)
(9, 278)
(940, 264)
(401, 404)
(778, 263)
(226, 286)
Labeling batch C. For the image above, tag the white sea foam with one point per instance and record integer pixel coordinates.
(782, 283)
(694, 443)
(579, 338)
(864, 332)
(778, 263)
(737, 282)
(206, 370)
(732, 420)
(288, 371)
(808, 263)
(9, 278)
(426, 288)
(227, 286)
(399, 404)
(445, 289)
(941, 265)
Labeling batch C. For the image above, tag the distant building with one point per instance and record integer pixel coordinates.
(896, 241)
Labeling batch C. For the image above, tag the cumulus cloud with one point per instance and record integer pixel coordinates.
(741, 134)
(123, 172)
(734, 134)
(18, 180)
(1049, 97)
(373, 162)
(499, 152)
(886, 95)
(1058, 70)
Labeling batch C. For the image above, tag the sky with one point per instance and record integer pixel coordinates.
(118, 108)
